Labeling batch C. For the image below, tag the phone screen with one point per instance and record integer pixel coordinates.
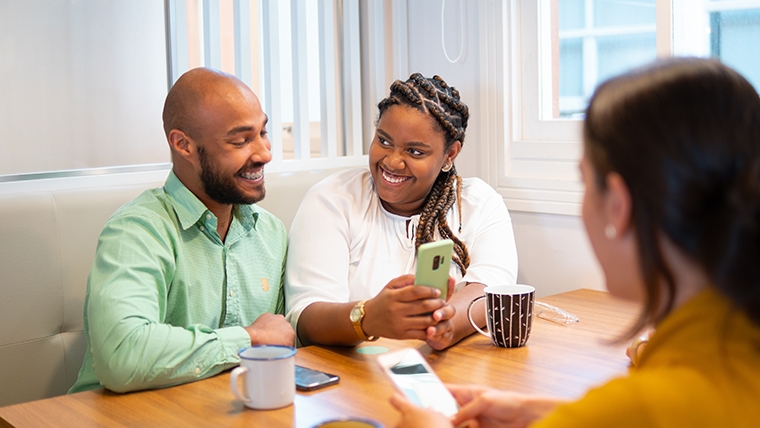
(417, 381)
(309, 379)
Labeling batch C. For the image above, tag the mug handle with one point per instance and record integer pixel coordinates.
(234, 383)
(469, 317)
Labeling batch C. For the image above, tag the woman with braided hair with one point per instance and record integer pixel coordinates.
(353, 241)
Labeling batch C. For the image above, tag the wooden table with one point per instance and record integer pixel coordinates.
(560, 360)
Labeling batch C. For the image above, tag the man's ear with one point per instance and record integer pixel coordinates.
(618, 203)
(180, 143)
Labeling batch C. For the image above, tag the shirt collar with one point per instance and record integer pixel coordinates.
(190, 209)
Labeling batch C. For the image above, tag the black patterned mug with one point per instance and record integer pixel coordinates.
(509, 314)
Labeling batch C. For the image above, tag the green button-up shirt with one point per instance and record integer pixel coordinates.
(167, 300)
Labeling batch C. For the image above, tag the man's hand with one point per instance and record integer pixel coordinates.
(271, 329)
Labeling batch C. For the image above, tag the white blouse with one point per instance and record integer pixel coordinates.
(344, 246)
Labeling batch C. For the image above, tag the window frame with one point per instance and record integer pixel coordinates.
(549, 148)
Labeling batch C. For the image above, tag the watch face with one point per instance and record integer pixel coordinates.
(356, 314)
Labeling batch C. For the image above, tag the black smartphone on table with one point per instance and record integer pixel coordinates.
(309, 379)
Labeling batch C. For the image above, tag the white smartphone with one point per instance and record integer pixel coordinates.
(415, 378)
(433, 263)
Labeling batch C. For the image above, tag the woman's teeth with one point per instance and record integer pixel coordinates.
(393, 178)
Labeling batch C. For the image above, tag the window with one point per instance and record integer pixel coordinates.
(725, 29)
(593, 40)
(557, 51)
(300, 57)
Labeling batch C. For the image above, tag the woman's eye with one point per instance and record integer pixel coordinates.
(383, 142)
(415, 152)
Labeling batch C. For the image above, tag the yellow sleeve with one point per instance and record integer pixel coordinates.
(671, 397)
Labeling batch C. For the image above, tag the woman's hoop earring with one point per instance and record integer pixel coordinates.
(447, 167)
(610, 231)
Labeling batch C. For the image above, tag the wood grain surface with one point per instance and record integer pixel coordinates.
(559, 360)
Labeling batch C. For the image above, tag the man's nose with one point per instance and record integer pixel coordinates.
(262, 151)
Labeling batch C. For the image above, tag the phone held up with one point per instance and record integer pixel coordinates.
(433, 263)
(414, 377)
(310, 379)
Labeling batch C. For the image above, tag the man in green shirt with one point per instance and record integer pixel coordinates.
(188, 274)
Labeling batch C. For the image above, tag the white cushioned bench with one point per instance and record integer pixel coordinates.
(48, 233)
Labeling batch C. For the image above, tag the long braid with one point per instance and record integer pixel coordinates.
(446, 190)
(442, 102)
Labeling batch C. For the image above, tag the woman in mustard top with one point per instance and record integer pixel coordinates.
(671, 166)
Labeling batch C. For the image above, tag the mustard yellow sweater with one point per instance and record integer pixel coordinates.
(700, 369)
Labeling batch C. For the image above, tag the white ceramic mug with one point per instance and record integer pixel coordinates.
(509, 314)
(269, 376)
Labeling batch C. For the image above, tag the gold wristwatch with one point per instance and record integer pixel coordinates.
(357, 316)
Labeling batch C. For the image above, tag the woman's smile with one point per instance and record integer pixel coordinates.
(393, 179)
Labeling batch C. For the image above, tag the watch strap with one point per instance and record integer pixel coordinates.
(358, 324)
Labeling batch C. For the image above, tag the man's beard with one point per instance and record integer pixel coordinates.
(223, 189)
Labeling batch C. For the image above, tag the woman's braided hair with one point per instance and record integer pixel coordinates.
(442, 102)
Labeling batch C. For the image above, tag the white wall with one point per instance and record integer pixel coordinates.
(82, 84)
(426, 57)
(554, 253)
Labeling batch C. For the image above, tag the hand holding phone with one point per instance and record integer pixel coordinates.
(433, 264)
(414, 377)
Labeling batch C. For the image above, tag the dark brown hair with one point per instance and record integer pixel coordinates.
(684, 134)
(435, 98)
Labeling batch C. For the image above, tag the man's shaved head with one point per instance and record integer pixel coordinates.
(187, 96)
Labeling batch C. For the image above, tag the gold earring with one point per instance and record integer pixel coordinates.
(447, 167)
(610, 231)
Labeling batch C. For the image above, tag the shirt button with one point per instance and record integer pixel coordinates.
(202, 228)
(208, 216)
(197, 370)
(232, 292)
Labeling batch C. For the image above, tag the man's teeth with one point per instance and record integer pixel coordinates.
(252, 175)
(393, 178)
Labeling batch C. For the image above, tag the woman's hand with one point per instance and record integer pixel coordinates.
(480, 407)
(442, 335)
(636, 348)
(404, 311)
(416, 417)
(453, 323)
(489, 407)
